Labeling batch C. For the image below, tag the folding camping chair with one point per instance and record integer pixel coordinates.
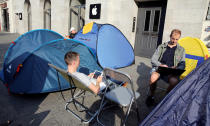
(121, 95)
(75, 83)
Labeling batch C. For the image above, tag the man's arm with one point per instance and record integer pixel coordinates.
(91, 75)
(155, 57)
(96, 88)
(181, 64)
(86, 80)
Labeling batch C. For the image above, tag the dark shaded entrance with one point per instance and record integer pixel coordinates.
(151, 18)
(5, 20)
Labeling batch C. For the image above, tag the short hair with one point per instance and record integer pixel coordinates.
(70, 57)
(175, 31)
(72, 29)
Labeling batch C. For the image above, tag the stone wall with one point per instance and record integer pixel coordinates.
(186, 15)
(119, 13)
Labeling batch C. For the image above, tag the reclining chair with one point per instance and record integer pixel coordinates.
(120, 95)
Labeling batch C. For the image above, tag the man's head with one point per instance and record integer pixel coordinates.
(73, 30)
(174, 36)
(72, 59)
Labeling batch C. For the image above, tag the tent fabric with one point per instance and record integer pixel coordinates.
(109, 45)
(42, 78)
(1, 75)
(119, 52)
(196, 53)
(87, 28)
(26, 43)
(188, 104)
(28, 72)
(89, 39)
(30, 40)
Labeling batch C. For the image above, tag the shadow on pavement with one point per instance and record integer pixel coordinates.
(112, 116)
(143, 80)
(18, 110)
(3, 49)
(21, 110)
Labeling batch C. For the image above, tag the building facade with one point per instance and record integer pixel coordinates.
(57, 15)
(4, 16)
(145, 23)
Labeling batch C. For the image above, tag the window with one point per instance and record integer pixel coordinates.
(208, 13)
(147, 21)
(27, 16)
(77, 14)
(156, 20)
(47, 14)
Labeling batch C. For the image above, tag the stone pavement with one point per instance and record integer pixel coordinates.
(5, 40)
(48, 109)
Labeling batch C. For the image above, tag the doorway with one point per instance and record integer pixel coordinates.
(47, 14)
(150, 25)
(27, 16)
(77, 14)
(5, 20)
(148, 30)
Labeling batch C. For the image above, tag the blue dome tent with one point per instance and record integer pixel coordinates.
(27, 43)
(26, 67)
(109, 45)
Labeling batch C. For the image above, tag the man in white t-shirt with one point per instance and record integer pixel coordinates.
(72, 60)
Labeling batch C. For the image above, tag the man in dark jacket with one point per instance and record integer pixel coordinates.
(169, 54)
(72, 33)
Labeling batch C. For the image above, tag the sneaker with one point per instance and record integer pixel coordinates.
(150, 101)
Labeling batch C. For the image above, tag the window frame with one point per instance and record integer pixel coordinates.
(208, 13)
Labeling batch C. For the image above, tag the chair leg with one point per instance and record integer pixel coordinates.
(101, 108)
(74, 97)
(93, 115)
(76, 103)
(81, 119)
(127, 113)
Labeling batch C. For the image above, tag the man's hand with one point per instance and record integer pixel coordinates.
(91, 75)
(163, 65)
(174, 67)
(99, 79)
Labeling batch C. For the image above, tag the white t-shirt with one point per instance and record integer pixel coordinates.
(88, 80)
